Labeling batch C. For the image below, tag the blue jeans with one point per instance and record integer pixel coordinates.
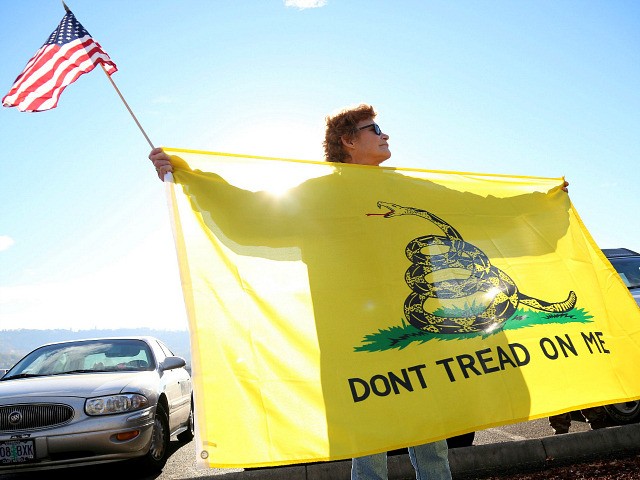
(430, 461)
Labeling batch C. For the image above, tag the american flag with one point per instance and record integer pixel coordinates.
(69, 52)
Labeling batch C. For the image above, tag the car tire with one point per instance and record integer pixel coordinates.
(187, 435)
(156, 457)
(464, 440)
(623, 413)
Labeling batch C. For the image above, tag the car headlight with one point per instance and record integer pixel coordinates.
(126, 402)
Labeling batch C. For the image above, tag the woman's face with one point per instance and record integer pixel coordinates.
(369, 148)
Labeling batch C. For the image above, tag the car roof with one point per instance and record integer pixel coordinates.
(619, 252)
(144, 338)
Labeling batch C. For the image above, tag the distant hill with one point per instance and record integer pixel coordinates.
(14, 344)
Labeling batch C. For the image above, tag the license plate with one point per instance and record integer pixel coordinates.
(17, 451)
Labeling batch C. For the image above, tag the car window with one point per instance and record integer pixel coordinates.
(83, 356)
(137, 358)
(629, 270)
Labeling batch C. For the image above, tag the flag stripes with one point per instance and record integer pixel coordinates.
(54, 67)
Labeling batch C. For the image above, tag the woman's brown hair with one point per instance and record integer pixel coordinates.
(343, 124)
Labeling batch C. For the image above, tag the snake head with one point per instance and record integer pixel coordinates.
(394, 209)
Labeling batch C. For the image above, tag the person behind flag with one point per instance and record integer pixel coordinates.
(596, 417)
(352, 136)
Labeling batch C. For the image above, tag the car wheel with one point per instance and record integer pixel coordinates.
(622, 413)
(156, 457)
(187, 435)
(464, 440)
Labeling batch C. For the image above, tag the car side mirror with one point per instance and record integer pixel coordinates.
(171, 363)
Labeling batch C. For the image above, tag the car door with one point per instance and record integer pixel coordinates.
(177, 385)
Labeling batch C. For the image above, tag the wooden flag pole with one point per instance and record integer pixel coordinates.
(127, 105)
(118, 91)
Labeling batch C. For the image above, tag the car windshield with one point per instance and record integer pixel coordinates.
(629, 270)
(84, 356)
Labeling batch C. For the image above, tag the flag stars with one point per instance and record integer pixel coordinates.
(68, 31)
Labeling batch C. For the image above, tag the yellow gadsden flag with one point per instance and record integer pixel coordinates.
(339, 310)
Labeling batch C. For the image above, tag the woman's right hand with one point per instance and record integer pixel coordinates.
(161, 162)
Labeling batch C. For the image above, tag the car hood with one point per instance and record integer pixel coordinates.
(79, 385)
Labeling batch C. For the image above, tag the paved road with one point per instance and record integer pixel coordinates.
(524, 431)
(182, 462)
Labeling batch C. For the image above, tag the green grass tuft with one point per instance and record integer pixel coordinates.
(403, 335)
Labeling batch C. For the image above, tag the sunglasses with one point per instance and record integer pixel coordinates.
(376, 128)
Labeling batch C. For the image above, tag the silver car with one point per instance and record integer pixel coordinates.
(94, 401)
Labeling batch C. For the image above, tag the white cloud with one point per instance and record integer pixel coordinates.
(6, 242)
(302, 4)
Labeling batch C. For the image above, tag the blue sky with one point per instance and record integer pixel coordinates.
(541, 88)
